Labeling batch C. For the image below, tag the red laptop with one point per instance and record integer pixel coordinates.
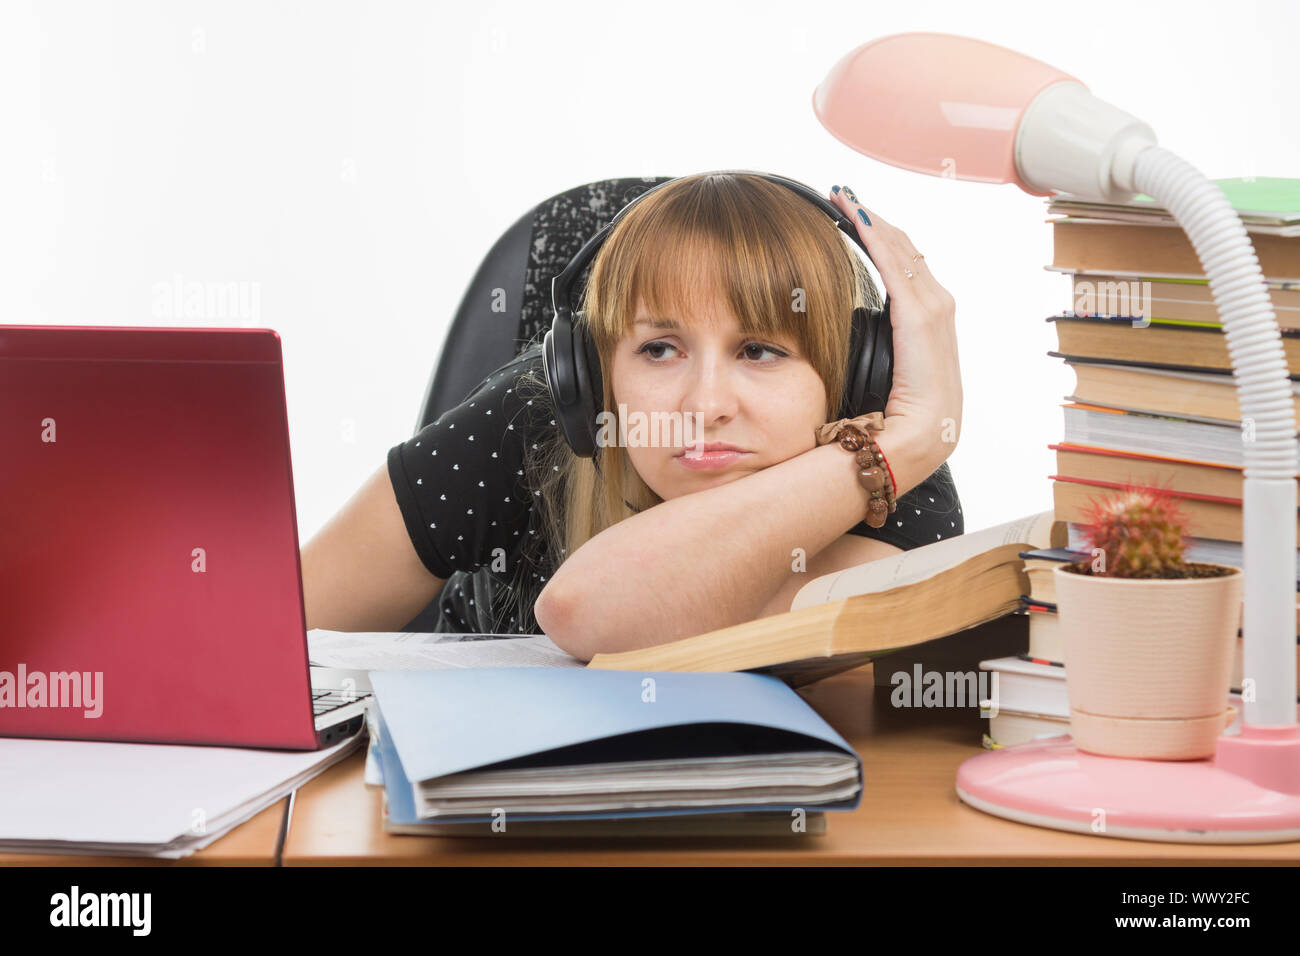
(150, 583)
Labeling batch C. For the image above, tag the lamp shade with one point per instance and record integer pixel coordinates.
(935, 103)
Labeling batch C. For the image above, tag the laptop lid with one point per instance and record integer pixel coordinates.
(150, 581)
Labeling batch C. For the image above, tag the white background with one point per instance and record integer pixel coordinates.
(353, 163)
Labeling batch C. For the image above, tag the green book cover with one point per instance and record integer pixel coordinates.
(1263, 197)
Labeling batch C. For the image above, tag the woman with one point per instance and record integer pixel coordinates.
(722, 297)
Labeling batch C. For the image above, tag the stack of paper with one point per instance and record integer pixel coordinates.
(339, 656)
(412, 650)
(154, 800)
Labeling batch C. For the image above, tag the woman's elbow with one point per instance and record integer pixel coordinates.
(555, 615)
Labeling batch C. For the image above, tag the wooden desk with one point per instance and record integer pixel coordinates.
(910, 813)
(255, 842)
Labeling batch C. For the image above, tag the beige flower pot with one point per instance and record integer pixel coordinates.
(1148, 662)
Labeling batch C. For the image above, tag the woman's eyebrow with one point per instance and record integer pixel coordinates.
(658, 323)
(668, 324)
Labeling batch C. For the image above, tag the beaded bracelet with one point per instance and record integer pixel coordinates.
(854, 435)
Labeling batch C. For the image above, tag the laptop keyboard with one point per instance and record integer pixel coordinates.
(323, 701)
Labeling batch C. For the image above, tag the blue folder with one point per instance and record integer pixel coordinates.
(437, 722)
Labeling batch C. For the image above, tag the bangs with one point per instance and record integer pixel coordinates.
(688, 275)
(711, 248)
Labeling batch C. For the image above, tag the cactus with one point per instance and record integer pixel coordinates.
(1141, 532)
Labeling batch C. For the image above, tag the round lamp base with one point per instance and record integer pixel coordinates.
(1051, 783)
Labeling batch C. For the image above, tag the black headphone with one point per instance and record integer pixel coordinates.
(573, 365)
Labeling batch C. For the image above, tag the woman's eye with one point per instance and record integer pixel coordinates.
(764, 348)
(753, 350)
(653, 345)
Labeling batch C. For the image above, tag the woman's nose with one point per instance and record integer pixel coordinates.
(711, 390)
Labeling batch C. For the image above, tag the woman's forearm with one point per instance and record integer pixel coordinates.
(715, 557)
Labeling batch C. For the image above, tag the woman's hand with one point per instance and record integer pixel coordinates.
(927, 376)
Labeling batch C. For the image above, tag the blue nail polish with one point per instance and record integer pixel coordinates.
(835, 189)
(864, 217)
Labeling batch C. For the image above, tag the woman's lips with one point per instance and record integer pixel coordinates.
(710, 460)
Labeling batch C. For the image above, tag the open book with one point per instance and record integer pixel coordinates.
(844, 619)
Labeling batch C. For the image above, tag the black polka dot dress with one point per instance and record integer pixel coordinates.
(464, 496)
(463, 491)
(929, 512)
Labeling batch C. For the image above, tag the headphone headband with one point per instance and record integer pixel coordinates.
(563, 283)
(572, 364)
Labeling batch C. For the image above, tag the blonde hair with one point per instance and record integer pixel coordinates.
(781, 264)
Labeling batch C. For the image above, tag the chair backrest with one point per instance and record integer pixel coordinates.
(508, 301)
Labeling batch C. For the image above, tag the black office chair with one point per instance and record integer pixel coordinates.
(516, 274)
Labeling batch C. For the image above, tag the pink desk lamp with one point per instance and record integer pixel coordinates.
(961, 108)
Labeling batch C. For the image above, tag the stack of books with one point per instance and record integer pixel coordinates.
(1154, 402)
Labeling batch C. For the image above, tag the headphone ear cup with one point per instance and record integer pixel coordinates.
(590, 401)
(593, 372)
(880, 367)
(870, 372)
(562, 382)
